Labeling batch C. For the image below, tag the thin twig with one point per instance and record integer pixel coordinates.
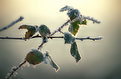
(89, 38)
(13, 38)
(15, 69)
(92, 19)
(41, 45)
(13, 23)
(51, 37)
(66, 23)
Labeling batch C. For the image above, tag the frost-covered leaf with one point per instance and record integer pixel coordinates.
(31, 30)
(44, 32)
(73, 14)
(74, 52)
(69, 39)
(65, 8)
(74, 27)
(52, 63)
(34, 57)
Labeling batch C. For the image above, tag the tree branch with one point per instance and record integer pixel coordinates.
(13, 23)
(13, 38)
(51, 37)
(66, 23)
(92, 19)
(89, 38)
(41, 45)
(15, 69)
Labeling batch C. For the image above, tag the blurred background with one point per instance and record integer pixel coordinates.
(100, 59)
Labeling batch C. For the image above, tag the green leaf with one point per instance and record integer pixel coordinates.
(69, 39)
(34, 57)
(84, 22)
(74, 27)
(74, 52)
(44, 30)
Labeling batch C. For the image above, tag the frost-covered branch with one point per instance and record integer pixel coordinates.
(13, 38)
(90, 38)
(92, 19)
(51, 37)
(66, 23)
(71, 12)
(13, 23)
(15, 69)
(41, 45)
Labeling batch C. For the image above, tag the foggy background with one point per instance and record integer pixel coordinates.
(100, 59)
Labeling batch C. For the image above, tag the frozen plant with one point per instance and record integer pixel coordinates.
(36, 56)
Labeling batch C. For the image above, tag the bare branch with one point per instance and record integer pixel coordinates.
(51, 37)
(89, 38)
(66, 23)
(15, 69)
(41, 45)
(92, 19)
(13, 38)
(13, 23)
